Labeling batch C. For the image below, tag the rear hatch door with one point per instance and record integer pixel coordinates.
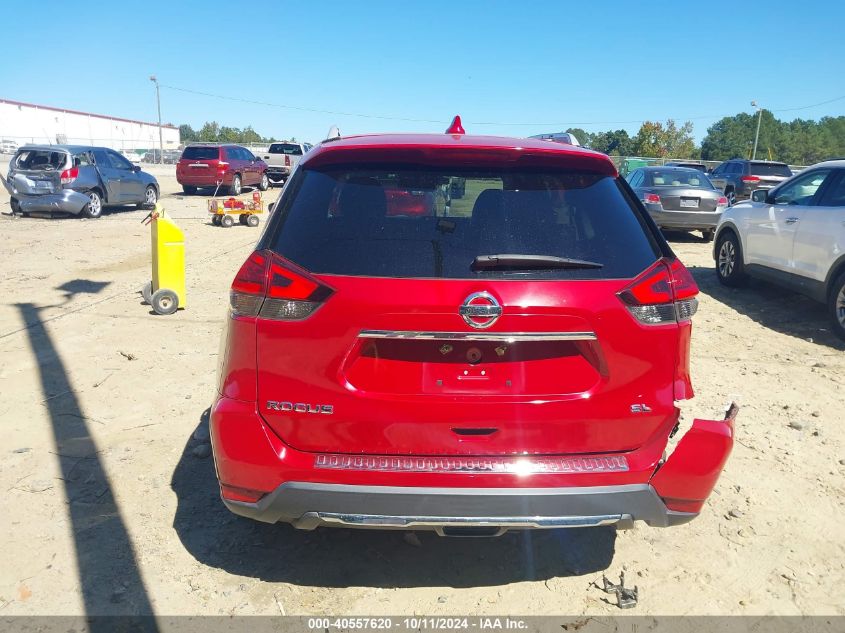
(37, 171)
(415, 349)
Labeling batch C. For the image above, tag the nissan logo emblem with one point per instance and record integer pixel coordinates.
(480, 310)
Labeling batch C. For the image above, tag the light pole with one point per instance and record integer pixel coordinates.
(757, 135)
(160, 139)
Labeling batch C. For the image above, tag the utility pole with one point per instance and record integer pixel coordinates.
(757, 135)
(160, 138)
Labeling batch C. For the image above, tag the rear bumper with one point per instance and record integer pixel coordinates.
(68, 201)
(693, 220)
(307, 506)
(277, 173)
(264, 479)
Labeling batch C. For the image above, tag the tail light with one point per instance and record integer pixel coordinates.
(664, 293)
(750, 179)
(651, 198)
(221, 166)
(287, 160)
(271, 287)
(69, 175)
(722, 202)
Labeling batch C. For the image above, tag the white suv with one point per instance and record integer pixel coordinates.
(792, 235)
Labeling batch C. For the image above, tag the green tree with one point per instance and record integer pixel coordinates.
(583, 136)
(210, 132)
(612, 142)
(187, 133)
(658, 140)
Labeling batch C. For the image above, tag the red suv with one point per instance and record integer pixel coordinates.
(228, 167)
(509, 359)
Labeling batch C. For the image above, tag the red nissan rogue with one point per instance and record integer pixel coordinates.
(509, 358)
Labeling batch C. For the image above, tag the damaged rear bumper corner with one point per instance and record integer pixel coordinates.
(65, 201)
(689, 474)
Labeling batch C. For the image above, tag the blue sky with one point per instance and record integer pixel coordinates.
(551, 65)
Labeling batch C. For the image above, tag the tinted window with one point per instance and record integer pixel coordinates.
(102, 159)
(40, 160)
(769, 169)
(801, 190)
(835, 195)
(405, 223)
(286, 148)
(201, 153)
(679, 178)
(118, 161)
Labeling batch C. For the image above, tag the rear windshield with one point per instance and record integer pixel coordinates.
(414, 222)
(679, 178)
(40, 160)
(769, 169)
(285, 148)
(201, 153)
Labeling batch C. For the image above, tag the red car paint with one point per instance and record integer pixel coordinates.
(218, 166)
(610, 394)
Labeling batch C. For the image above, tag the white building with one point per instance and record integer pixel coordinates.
(29, 123)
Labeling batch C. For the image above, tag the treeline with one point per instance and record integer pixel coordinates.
(798, 142)
(213, 132)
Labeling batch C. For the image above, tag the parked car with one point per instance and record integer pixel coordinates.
(737, 178)
(512, 363)
(132, 157)
(791, 235)
(559, 137)
(679, 198)
(688, 164)
(76, 179)
(8, 147)
(281, 158)
(228, 167)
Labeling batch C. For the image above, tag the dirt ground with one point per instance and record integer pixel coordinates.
(110, 505)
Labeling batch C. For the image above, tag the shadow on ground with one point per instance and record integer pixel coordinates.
(329, 557)
(109, 576)
(773, 307)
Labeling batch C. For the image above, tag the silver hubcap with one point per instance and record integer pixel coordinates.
(236, 185)
(151, 196)
(164, 303)
(264, 181)
(840, 306)
(95, 205)
(727, 259)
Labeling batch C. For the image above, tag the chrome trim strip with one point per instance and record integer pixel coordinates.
(378, 520)
(503, 337)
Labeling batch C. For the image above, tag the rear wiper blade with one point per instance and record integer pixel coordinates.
(510, 261)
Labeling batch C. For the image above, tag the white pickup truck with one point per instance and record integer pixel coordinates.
(282, 157)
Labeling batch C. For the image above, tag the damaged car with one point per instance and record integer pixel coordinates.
(75, 179)
(512, 359)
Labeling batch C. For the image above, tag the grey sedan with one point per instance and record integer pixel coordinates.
(679, 198)
(76, 179)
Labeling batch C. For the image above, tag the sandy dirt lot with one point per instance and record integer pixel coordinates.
(109, 503)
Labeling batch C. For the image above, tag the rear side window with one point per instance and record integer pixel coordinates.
(286, 148)
(201, 153)
(769, 169)
(415, 222)
(40, 160)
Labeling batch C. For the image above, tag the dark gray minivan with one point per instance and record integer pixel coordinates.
(76, 179)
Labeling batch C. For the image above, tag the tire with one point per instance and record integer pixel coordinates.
(236, 187)
(147, 292)
(164, 301)
(215, 220)
(264, 183)
(16, 206)
(150, 198)
(729, 266)
(836, 306)
(252, 220)
(708, 235)
(94, 208)
(242, 218)
(189, 191)
(226, 221)
(731, 196)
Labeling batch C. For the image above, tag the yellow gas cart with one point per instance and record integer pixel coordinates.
(166, 292)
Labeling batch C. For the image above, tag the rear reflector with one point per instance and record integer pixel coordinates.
(507, 465)
(664, 293)
(244, 495)
(651, 198)
(271, 287)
